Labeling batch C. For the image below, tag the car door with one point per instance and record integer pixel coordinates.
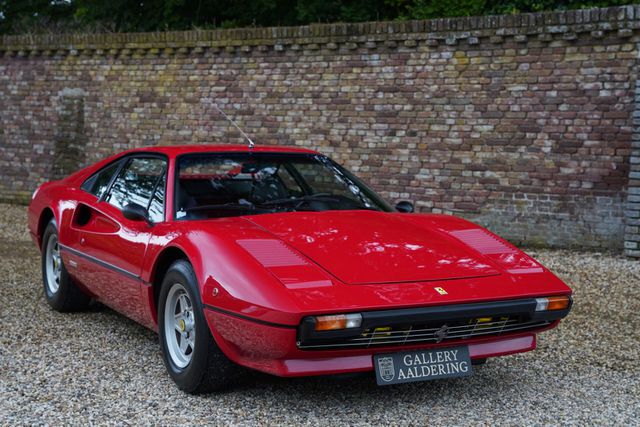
(112, 246)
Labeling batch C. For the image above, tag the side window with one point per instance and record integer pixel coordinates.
(98, 182)
(136, 182)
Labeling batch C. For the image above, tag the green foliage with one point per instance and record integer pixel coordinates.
(33, 15)
(429, 9)
(38, 16)
(313, 11)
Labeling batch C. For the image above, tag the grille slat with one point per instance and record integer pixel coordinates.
(498, 324)
(462, 332)
(411, 334)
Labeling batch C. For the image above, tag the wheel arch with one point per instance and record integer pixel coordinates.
(45, 217)
(160, 267)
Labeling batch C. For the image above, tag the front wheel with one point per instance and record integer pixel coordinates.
(59, 290)
(189, 352)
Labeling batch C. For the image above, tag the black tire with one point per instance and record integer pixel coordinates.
(67, 297)
(208, 368)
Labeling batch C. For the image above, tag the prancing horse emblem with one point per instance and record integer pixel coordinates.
(441, 333)
(385, 367)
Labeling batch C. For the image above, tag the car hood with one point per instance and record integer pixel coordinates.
(367, 247)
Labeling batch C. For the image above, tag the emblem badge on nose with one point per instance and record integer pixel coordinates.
(441, 333)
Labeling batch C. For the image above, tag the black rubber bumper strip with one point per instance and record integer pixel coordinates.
(449, 312)
(104, 264)
(250, 319)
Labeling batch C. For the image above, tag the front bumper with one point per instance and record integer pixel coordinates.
(431, 325)
(275, 349)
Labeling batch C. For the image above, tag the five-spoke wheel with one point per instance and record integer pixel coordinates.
(180, 327)
(189, 351)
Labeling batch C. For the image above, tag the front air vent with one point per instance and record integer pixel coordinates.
(482, 241)
(271, 252)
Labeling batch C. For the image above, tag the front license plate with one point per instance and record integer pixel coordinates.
(422, 365)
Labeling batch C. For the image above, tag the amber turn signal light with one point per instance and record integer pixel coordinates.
(338, 321)
(553, 303)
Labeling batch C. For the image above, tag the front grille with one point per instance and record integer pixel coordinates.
(433, 332)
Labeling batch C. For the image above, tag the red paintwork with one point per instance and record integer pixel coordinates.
(325, 262)
(273, 349)
(401, 250)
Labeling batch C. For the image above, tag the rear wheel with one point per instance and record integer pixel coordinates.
(189, 352)
(59, 290)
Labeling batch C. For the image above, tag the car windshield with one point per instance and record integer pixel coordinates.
(220, 185)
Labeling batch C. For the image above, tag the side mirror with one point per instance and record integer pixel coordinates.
(135, 212)
(404, 206)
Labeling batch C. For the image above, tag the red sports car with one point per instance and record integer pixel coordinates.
(280, 260)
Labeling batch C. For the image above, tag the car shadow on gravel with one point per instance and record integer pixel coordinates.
(323, 391)
(343, 386)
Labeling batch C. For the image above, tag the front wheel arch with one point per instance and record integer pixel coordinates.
(208, 368)
(163, 262)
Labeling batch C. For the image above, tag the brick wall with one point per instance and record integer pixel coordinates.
(632, 214)
(523, 123)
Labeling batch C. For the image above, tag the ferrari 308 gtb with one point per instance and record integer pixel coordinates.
(280, 260)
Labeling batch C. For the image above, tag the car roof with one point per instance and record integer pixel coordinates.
(176, 150)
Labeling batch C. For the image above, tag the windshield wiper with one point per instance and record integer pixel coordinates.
(301, 199)
(226, 206)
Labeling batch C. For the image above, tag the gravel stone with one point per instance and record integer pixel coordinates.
(98, 367)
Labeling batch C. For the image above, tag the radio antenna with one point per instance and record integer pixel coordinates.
(251, 143)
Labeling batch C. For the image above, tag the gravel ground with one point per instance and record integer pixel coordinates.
(98, 367)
